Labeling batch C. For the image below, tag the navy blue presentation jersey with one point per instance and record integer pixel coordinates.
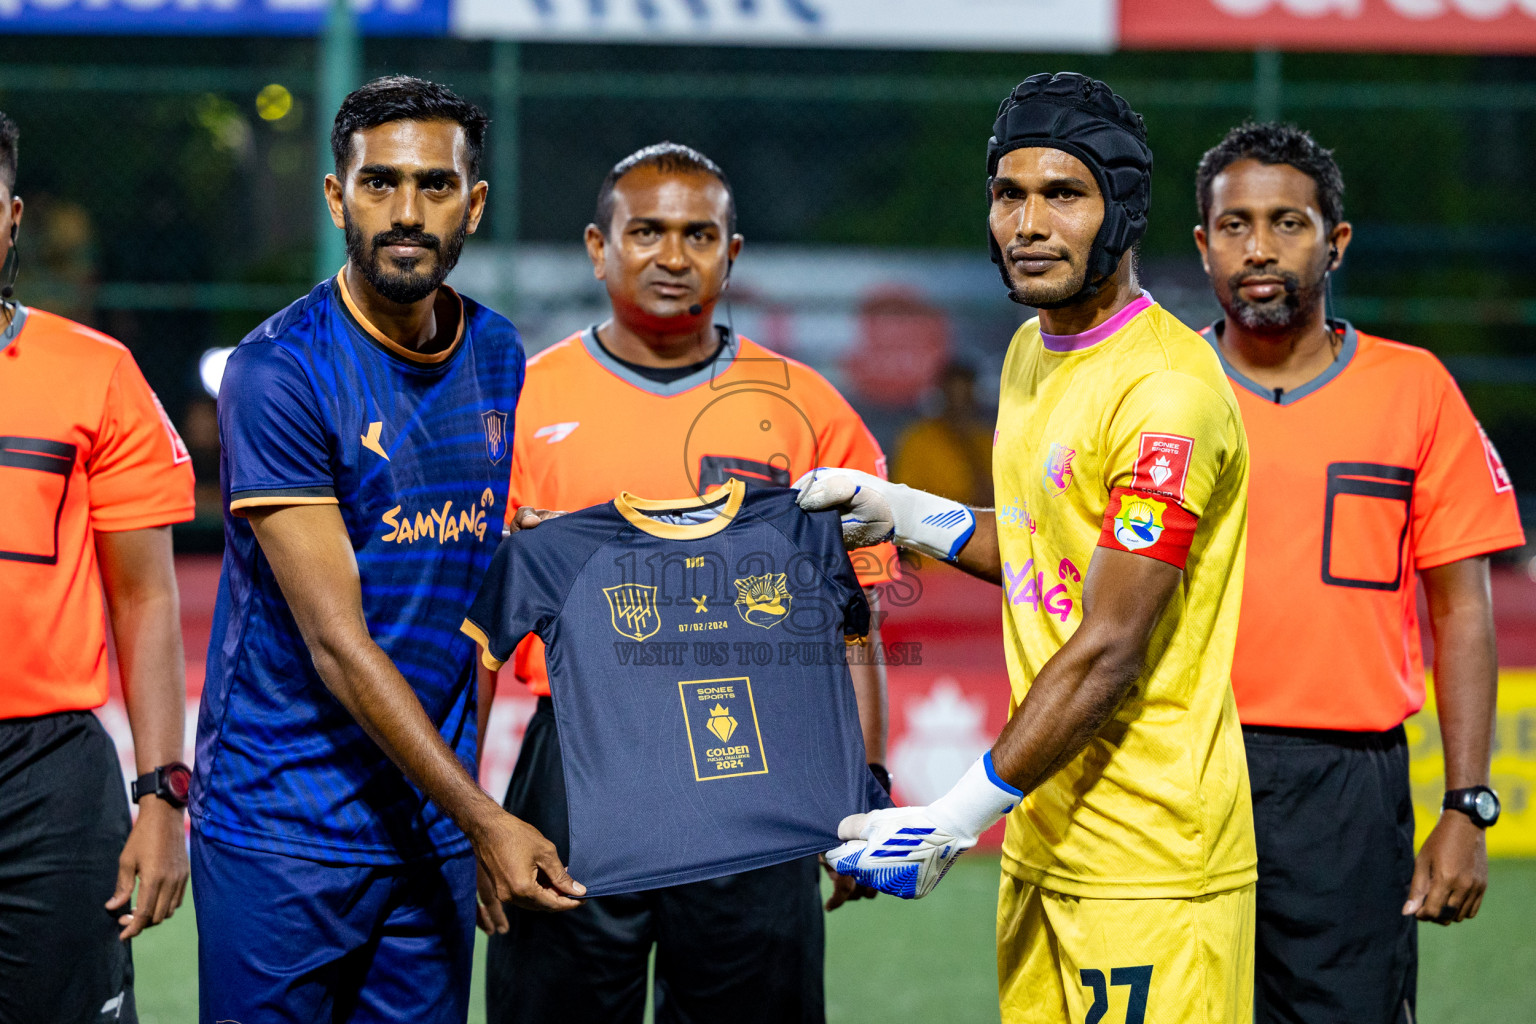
(697, 662)
(318, 406)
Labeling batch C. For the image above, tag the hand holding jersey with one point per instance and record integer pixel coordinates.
(875, 510)
(1120, 471)
(906, 851)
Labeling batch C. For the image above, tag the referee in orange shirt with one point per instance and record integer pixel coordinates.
(91, 475)
(1369, 473)
(659, 401)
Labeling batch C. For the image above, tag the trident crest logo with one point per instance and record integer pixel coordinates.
(495, 435)
(633, 610)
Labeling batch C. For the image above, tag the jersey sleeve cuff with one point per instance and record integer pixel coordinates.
(1469, 549)
(241, 500)
(1148, 524)
(477, 634)
(143, 521)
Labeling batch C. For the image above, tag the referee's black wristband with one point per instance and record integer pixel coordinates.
(881, 776)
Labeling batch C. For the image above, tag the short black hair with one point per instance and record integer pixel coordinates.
(1270, 142)
(403, 98)
(668, 158)
(10, 140)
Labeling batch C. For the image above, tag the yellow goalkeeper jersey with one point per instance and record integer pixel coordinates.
(1129, 437)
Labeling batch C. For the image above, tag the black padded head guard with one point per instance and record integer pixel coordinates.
(1083, 117)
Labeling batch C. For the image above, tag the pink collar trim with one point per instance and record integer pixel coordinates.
(1089, 338)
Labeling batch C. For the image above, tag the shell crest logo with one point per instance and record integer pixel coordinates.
(763, 600)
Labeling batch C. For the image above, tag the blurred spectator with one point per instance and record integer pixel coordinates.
(951, 453)
(62, 257)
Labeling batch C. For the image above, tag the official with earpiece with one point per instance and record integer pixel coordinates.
(92, 475)
(1370, 473)
(661, 401)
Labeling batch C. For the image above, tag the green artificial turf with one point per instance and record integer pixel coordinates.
(935, 959)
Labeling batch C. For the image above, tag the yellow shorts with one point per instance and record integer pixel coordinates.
(1073, 960)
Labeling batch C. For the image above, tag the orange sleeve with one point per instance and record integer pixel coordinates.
(846, 443)
(518, 486)
(1463, 498)
(527, 660)
(139, 470)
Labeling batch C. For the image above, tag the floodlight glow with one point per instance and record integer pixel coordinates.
(210, 369)
(273, 102)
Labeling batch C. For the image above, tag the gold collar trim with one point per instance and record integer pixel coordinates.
(394, 347)
(634, 509)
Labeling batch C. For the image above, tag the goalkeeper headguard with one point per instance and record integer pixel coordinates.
(1083, 117)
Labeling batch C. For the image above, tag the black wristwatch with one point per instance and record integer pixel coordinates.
(881, 776)
(1479, 803)
(169, 782)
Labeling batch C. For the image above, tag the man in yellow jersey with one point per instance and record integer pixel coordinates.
(1129, 865)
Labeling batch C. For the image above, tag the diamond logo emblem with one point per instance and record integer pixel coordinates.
(721, 723)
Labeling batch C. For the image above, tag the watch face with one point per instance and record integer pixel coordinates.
(1487, 806)
(179, 781)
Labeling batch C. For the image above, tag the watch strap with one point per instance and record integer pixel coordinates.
(157, 783)
(1466, 800)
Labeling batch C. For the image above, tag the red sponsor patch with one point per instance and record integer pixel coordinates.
(1501, 480)
(1162, 466)
(1148, 524)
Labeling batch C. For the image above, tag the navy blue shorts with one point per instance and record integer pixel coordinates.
(293, 941)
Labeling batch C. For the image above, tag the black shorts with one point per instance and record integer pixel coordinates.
(1333, 815)
(63, 822)
(745, 948)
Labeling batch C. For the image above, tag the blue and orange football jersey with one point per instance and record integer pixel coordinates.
(749, 414)
(696, 661)
(318, 406)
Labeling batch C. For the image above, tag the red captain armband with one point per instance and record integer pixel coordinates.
(1148, 524)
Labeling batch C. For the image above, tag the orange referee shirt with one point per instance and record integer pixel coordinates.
(589, 426)
(84, 448)
(1371, 471)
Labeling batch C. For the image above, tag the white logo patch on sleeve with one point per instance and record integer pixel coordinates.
(557, 432)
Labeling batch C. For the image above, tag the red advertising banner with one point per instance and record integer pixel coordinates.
(1422, 26)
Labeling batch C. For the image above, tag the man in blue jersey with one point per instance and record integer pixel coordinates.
(336, 816)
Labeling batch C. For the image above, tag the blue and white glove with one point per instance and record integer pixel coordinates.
(876, 510)
(905, 851)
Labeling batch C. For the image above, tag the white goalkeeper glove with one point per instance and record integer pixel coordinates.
(905, 851)
(876, 510)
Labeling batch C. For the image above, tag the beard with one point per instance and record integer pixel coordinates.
(1041, 294)
(1278, 315)
(410, 283)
